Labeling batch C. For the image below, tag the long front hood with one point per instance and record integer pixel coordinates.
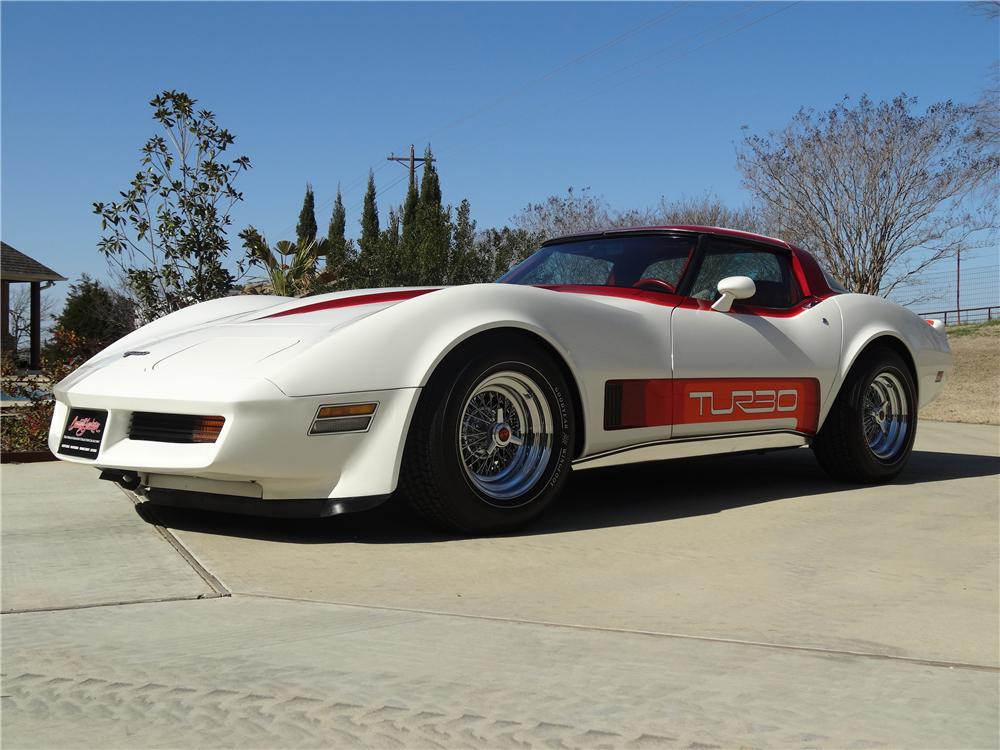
(235, 348)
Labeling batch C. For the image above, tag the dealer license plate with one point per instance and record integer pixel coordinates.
(84, 433)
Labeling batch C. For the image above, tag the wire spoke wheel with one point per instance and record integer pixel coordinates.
(505, 436)
(886, 416)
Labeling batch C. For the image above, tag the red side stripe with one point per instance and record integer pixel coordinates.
(661, 402)
(362, 299)
(639, 403)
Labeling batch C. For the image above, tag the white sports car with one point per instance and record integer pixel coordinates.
(476, 401)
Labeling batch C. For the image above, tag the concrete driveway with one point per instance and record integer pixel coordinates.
(741, 601)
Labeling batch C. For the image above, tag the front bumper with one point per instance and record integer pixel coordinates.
(264, 452)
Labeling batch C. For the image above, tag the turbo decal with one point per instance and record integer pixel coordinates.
(749, 402)
(661, 402)
(700, 401)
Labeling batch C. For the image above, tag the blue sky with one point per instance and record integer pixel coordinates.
(320, 92)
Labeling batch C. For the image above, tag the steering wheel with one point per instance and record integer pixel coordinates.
(656, 285)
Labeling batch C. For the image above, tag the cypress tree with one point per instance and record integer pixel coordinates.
(410, 206)
(462, 263)
(337, 252)
(370, 266)
(433, 228)
(369, 218)
(393, 273)
(409, 242)
(306, 229)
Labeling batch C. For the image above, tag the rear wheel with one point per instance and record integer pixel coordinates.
(868, 435)
(489, 446)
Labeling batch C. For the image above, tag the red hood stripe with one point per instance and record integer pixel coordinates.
(361, 299)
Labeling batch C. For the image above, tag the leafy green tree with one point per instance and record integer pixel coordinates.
(96, 313)
(166, 236)
(306, 229)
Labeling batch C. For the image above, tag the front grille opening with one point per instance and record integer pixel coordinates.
(175, 428)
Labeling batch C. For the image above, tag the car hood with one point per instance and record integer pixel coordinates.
(244, 344)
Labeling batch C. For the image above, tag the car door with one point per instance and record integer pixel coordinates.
(763, 366)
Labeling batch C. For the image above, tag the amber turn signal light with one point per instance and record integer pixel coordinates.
(207, 429)
(350, 410)
(343, 418)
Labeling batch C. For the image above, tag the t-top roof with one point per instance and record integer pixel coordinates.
(16, 266)
(722, 231)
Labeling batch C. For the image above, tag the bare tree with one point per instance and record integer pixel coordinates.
(988, 8)
(577, 211)
(705, 210)
(20, 315)
(878, 190)
(580, 211)
(985, 134)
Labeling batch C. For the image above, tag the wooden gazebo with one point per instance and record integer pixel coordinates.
(18, 268)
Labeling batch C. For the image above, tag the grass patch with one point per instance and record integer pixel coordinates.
(971, 329)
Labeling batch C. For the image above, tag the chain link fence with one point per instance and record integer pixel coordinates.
(973, 297)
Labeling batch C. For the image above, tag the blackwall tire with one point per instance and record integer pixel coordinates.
(490, 444)
(868, 435)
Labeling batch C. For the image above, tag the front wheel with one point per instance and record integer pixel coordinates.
(868, 435)
(490, 444)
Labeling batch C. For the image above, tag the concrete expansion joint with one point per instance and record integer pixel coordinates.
(210, 579)
(650, 633)
(152, 600)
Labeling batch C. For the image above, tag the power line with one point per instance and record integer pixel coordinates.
(613, 42)
(557, 70)
(587, 55)
(685, 53)
(561, 107)
(673, 46)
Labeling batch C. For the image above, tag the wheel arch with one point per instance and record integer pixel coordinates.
(478, 337)
(881, 339)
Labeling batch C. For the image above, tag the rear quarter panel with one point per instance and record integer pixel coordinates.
(868, 318)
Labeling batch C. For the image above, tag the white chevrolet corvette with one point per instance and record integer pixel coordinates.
(476, 401)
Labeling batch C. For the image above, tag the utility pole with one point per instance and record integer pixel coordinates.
(412, 159)
(958, 284)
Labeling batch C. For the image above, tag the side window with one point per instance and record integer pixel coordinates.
(771, 272)
(668, 270)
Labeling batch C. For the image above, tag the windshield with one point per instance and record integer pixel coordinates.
(652, 262)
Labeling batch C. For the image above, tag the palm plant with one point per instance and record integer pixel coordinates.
(291, 267)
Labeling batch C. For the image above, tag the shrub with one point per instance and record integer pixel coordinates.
(26, 428)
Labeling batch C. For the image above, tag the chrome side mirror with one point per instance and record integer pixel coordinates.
(733, 288)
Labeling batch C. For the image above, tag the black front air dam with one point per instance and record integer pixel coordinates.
(246, 506)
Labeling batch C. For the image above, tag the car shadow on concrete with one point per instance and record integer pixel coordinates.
(599, 498)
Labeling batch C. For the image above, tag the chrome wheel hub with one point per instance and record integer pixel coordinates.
(886, 416)
(505, 436)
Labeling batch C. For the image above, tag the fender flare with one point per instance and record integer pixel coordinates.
(560, 354)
